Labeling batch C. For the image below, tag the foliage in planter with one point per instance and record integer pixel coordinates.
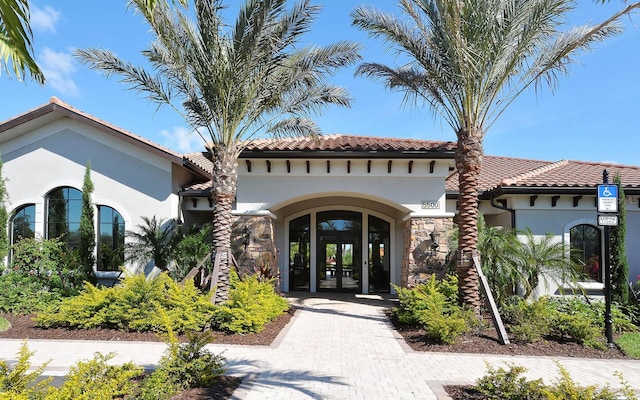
(565, 317)
(183, 366)
(25, 294)
(510, 384)
(527, 322)
(252, 303)
(136, 304)
(50, 261)
(433, 305)
(20, 381)
(97, 379)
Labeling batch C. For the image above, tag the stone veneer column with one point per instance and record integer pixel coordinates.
(261, 250)
(419, 260)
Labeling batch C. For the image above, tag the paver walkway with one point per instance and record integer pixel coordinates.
(337, 347)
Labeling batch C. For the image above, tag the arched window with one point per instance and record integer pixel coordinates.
(64, 207)
(110, 239)
(586, 249)
(23, 223)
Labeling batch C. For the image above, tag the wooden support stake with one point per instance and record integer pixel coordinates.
(495, 315)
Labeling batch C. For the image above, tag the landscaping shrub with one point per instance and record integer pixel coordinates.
(527, 322)
(434, 306)
(26, 294)
(252, 303)
(20, 382)
(95, 379)
(183, 366)
(566, 317)
(5, 325)
(50, 261)
(502, 384)
(509, 384)
(137, 304)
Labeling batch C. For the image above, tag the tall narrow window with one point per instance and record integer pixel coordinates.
(64, 206)
(110, 239)
(23, 223)
(586, 250)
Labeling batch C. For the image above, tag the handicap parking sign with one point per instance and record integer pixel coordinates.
(607, 198)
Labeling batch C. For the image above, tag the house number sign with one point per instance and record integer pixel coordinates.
(430, 204)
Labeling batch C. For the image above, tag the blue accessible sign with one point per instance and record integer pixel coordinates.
(608, 198)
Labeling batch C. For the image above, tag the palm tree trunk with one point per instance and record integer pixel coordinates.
(224, 187)
(468, 162)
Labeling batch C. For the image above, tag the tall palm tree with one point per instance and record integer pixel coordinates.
(468, 61)
(234, 84)
(15, 40)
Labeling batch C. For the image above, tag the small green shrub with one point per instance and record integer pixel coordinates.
(20, 382)
(5, 325)
(183, 366)
(25, 294)
(509, 384)
(434, 306)
(500, 384)
(527, 322)
(252, 304)
(50, 261)
(95, 379)
(134, 305)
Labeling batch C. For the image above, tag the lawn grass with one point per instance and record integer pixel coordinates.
(4, 324)
(629, 343)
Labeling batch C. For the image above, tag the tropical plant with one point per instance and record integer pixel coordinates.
(541, 258)
(87, 230)
(234, 84)
(155, 239)
(193, 247)
(619, 263)
(16, 52)
(468, 61)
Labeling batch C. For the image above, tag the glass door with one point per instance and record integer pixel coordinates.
(338, 263)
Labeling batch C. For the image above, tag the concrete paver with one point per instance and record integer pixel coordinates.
(336, 347)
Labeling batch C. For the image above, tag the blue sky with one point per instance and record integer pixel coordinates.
(591, 115)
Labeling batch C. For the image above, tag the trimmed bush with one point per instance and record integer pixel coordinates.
(509, 384)
(252, 304)
(25, 294)
(434, 306)
(138, 304)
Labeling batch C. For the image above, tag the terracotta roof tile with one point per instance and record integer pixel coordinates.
(350, 143)
(514, 172)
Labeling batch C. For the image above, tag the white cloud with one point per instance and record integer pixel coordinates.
(58, 68)
(182, 140)
(43, 19)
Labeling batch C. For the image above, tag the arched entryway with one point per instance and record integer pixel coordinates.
(339, 251)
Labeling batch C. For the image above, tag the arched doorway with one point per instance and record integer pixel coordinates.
(339, 251)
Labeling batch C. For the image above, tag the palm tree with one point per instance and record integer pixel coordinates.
(155, 239)
(234, 84)
(15, 40)
(468, 61)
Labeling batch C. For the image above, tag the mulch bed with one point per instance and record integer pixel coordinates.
(484, 341)
(22, 327)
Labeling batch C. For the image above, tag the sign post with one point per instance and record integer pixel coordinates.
(607, 205)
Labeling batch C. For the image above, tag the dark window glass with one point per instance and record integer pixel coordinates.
(23, 223)
(110, 239)
(64, 206)
(586, 249)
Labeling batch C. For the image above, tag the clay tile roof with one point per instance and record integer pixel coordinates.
(504, 173)
(349, 143)
(200, 161)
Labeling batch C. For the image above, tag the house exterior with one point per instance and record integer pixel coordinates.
(343, 213)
